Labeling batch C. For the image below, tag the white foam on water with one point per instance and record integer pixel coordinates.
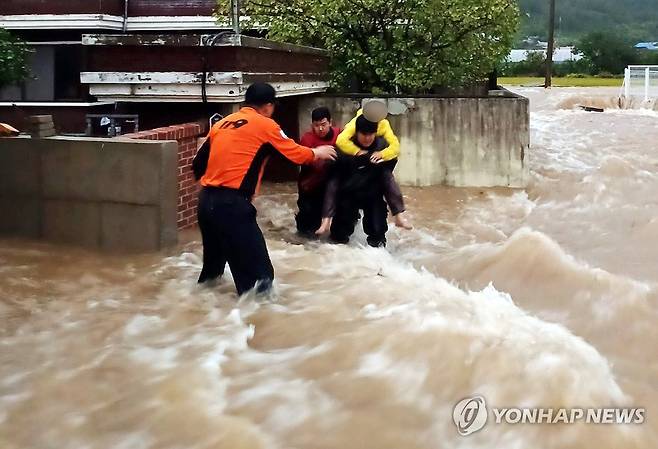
(140, 324)
(142, 440)
(156, 358)
(365, 340)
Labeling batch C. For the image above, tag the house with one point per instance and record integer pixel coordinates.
(647, 46)
(561, 54)
(161, 62)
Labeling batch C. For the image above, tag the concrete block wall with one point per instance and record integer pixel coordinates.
(97, 193)
(187, 135)
(464, 142)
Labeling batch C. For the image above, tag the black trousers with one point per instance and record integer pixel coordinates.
(230, 233)
(375, 225)
(309, 216)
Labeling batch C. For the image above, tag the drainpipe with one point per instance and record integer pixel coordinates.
(235, 15)
(125, 16)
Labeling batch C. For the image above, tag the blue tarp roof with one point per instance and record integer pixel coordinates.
(648, 45)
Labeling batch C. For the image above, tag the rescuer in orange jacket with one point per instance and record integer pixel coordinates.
(237, 150)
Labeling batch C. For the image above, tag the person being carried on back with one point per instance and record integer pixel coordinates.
(375, 112)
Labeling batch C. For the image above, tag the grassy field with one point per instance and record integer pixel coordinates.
(562, 82)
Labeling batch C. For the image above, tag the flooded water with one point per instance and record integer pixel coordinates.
(539, 298)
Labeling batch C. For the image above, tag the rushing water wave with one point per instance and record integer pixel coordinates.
(545, 297)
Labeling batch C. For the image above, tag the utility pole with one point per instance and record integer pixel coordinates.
(235, 16)
(551, 47)
(125, 16)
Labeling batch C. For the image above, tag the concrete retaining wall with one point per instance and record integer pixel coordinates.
(112, 195)
(187, 135)
(465, 142)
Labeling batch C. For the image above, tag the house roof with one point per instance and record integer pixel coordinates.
(647, 45)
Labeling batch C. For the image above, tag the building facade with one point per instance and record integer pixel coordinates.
(161, 62)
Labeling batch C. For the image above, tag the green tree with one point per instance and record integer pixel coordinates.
(607, 52)
(406, 46)
(13, 59)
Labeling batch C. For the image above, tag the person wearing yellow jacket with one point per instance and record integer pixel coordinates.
(375, 112)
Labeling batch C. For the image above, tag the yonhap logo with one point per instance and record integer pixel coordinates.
(470, 415)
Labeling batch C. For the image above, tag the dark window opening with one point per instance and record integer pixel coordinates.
(68, 65)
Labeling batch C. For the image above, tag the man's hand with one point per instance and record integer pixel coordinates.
(361, 153)
(325, 153)
(376, 157)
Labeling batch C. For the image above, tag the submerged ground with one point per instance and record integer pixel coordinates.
(539, 298)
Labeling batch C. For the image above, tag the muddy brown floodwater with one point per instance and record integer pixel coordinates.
(544, 297)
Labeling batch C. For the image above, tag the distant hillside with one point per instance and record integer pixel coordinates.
(635, 19)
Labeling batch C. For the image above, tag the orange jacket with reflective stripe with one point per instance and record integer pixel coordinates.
(240, 146)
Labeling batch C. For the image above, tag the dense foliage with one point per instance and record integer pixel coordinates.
(635, 19)
(13, 59)
(405, 46)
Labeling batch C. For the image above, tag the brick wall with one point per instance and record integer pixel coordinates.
(187, 136)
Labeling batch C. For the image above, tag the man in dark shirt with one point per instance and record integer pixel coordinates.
(360, 187)
(313, 177)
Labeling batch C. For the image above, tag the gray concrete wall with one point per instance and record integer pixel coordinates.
(40, 85)
(112, 195)
(465, 142)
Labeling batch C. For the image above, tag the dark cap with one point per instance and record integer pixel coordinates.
(365, 126)
(260, 94)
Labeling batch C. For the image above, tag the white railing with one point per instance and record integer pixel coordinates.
(641, 81)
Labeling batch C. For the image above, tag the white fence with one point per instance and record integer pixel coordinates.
(641, 81)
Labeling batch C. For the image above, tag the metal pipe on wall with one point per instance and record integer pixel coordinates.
(235, 15)
(125, 16)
